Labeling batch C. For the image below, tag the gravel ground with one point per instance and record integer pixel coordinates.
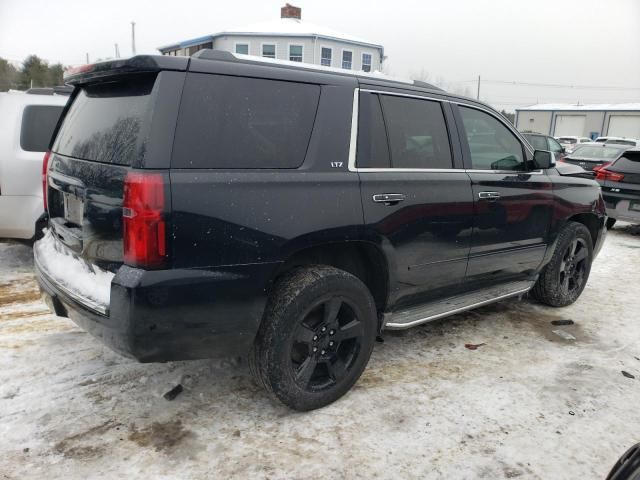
(527, 403)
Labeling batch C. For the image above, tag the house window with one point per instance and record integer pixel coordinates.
(366, 62)
(242, 48)
(269, 50)
(295, 53)
(347, 59)
(325, 56)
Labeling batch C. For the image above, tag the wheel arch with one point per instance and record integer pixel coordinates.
(365, 260)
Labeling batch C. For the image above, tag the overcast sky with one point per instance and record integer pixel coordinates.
(594, 43)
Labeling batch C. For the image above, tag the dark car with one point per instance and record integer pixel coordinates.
(214, 205)
(593, 156)
(545, 142)
(620, 182)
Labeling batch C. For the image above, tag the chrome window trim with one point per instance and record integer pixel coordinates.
(351, 165)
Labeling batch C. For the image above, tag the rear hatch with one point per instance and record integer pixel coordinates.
(120, 121)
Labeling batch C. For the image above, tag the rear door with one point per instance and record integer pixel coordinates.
(416, 204)
(112, 125)
(513, 206)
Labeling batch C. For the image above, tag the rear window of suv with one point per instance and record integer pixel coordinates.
(629, 163)
(108, 122)
(236, 122)
(38, 123)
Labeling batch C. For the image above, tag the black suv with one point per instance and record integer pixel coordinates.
(213, 205)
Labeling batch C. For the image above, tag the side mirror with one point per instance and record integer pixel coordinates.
(544, 159)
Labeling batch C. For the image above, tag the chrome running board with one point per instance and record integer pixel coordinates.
(412, 316)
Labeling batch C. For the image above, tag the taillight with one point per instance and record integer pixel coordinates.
(45, 169)
(143, 220)
(604, 174)
(597, 168)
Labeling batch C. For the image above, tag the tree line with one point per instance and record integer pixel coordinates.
(34, 72)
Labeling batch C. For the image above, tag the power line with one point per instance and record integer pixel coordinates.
(552, 85)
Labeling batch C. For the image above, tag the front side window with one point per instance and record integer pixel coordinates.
(325, 56)
(236, 122)
(554, 146)
(242, 48)
(417, 133)
(366, 62)
(295, 53)
(347, 59)
(38, 122)
(269, 50)
(491, 144)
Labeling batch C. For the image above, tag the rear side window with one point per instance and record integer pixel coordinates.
(417, 133)
(629, 163)
(38, 123)
(373, 151)
(108, 122)
(236, 122)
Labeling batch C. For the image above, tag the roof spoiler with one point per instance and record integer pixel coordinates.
(137, 64)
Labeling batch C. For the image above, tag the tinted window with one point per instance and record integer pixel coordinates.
(629, 163)
(234, 122)
(492, 145)
(537, 141)
(554, 146)
(417, 133)
(38, 123)
(596, 151)
(373, 151)
(108, 122)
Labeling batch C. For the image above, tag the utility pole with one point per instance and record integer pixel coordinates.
(117, 50)
(87, 58)
(133, 38)
(478, 94)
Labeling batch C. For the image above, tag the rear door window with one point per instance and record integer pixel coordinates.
(417, 133)
(38, 123)
(537, 141)
(235, 122)
(373, 150)
(108, 122)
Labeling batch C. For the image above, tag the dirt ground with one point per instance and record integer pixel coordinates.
(528, 403)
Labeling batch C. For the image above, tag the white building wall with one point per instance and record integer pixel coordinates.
(534, 121)
(311, 48)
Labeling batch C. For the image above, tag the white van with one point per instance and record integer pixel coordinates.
(27, 121)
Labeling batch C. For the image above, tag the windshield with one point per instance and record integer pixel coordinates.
(567, 140)
(597, 152)
(622, 142)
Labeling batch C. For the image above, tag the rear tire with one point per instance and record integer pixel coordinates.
(610, 222)
(316, 337)
(565, 276)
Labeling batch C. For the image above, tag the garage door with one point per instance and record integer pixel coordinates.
(624, 126)
(570, 125)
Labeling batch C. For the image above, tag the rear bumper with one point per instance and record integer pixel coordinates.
(172, 314)
(618, 207)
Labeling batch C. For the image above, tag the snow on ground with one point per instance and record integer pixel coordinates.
(527, 404)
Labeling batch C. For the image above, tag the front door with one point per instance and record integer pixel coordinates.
(417, 207)
(513, 203)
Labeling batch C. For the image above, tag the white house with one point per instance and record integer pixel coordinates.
(289, 38)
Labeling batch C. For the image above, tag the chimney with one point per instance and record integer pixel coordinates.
(289, 11)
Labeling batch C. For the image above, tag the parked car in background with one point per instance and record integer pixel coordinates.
(28, 121)
(570, 143)
(592, 156)
(620, 182)
(632, 142)
(218, 205)
(545, 142)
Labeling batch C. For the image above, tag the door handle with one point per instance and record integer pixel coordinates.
(490, 196)
(389, 198)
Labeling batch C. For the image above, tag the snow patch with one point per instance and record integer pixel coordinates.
(72, 272)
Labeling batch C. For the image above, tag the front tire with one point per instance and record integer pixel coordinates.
(563, 279)
(316, 337)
